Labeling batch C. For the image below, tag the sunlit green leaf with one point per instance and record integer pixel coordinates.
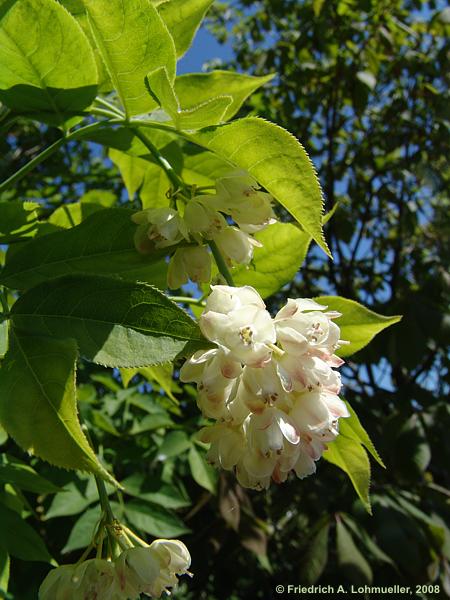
(196, 88)
(82, 250)
(183, 17)
(17, 219)
(47, 65)
(277, 262)
(351, 427)
(37, 395)
(195, 115)
(350, 456)
(115, 323)
(358, 324)
(133, 41)
(279, 163)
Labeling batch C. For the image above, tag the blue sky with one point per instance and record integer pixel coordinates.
(204, 48)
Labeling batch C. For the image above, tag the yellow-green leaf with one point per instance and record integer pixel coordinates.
(38, 402)
(133, 40)
(358, 324)
(278, 162)
(350, 456)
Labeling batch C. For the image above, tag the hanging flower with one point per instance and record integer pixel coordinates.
(271, 384)
(94, 578)
(241, 324)
(193, 262)
(152, 570)
(228, 218)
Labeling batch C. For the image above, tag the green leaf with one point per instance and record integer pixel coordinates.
(315, 557)
(17, 219)
(284, 249)
(205, 475)
(133, 41)
(3, 436)
(351, 428)
(154, 491)
(196, 88)
(115, 323)
(19, 474)
(19, 539)
(351, 457)
(174, 444)
(38, 396)
(82, 250)
(278, 162)
(105, 198)
(350, 559)
(201, 167)
(139, 174)
(4, 337)
(154, 519)
(75, 498)
(358, 324)
(162, 376)
(209, 112)
(152, 422)
(83, 531)
(374, 550)
(69, 215)
(183, 18)
(4, 571)
(47, 64)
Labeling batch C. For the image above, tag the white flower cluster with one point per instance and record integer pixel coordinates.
(204, 219)
(270, 384)
(150, 571)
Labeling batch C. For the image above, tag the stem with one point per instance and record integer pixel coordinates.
(22, 172)
(134, 537)
(177, 182)
(188, 300)
(104, 501)
(110, 106)
(104, 112)
(221, 263)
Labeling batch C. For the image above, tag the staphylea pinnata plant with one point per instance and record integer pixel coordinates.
(227, 208)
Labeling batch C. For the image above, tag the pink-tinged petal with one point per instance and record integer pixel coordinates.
(230, 369)
(336, 406)
(287, 428)
(335, 361)
(304, 466)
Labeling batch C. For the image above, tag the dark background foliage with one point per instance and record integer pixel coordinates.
(362, 85)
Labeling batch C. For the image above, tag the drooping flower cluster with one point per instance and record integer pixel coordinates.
(270, 384)
(147, 570)
(207, 217)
